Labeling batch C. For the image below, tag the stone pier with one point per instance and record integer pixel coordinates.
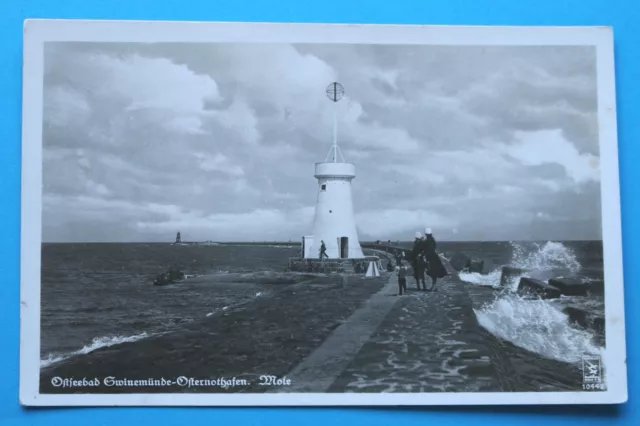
(319, 370)
(429, 342)
(418, 342)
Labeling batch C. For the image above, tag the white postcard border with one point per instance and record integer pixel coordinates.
(37, 32)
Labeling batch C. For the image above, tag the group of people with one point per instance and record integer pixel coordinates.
(424, 261)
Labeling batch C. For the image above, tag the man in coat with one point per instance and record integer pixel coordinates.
(323, 251)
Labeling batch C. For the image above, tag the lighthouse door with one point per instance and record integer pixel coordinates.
(344, 247)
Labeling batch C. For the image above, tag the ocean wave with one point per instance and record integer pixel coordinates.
(537, 326)
(535, 257)
(97, 343)
(489, 280)
(543, 257)
(493, 279)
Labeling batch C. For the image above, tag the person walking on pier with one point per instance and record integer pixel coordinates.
(418, 262)
(323, 251)
(389, 266)
(402, 279)
(435, 268)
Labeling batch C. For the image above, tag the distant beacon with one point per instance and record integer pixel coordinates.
(334, 221)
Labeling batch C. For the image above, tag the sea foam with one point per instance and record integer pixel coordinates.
(536, 325)
(97, 343)
(537, 257)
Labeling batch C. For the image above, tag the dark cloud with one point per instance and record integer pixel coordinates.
(219, 140)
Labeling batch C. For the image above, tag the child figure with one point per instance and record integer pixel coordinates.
(402, 279)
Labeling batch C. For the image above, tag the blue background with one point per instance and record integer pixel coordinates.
(623, 16)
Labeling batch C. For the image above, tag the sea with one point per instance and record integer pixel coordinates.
(96, 295)
(539, 325)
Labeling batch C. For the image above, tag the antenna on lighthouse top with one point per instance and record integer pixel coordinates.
(335, 92)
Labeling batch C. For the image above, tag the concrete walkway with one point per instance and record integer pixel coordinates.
(430, 342)
(320, 369)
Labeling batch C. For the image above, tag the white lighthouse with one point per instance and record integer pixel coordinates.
(334, 222)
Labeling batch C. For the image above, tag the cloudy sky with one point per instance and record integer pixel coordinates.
(219, 141)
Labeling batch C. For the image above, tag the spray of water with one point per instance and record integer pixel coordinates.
(544, 257)
(539, 326)
(536, 257)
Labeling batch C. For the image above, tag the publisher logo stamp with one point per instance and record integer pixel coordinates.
(591, 369)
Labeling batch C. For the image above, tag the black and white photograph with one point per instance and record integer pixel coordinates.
(265, 214)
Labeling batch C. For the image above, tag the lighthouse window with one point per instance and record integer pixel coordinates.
(324, 187)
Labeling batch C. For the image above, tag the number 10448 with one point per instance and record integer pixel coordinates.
(594, 386)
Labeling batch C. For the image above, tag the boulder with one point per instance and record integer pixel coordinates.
(531, 286)
(584, 319)
(570, 286)
(576, 286)
(476, 266)
(510, 273)
(577, 316)
(459, 261)
(487, 266)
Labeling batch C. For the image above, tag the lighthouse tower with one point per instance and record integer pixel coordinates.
(334, 222)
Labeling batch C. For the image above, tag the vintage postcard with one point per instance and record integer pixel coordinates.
(293, 214)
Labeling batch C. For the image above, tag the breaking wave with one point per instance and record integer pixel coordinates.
(537, 257)
(543, 257)
(489, 280)
(97, 343)
(537, 326)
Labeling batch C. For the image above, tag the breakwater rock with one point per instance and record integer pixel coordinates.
(585, 319)
(463, 263)
(549, 282)
(575, 286)
(511, 275)
(533, 287)
(459, 261)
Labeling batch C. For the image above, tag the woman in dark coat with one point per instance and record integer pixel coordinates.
(435, 268)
